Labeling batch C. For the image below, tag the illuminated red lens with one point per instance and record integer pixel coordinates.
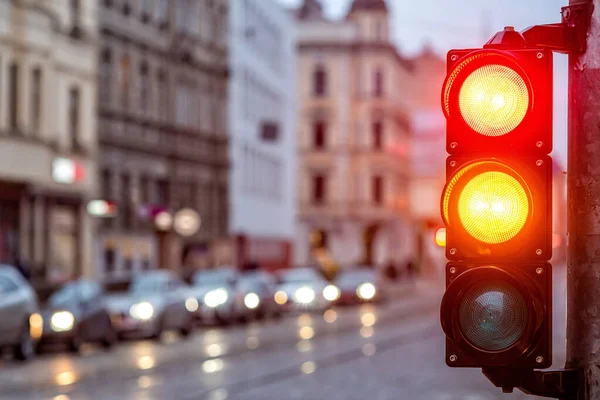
(493, 100)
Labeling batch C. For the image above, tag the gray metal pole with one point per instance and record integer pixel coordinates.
(583, 225)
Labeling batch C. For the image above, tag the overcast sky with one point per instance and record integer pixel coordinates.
(447, 24)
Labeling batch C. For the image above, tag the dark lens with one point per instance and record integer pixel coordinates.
(492, 315)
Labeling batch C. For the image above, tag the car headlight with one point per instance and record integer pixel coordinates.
(331, 293)
(366, 291)
(251, 300)
(62, 321)
(304, 295)
(281, 297)
(216, 297)
(191, 304)
(142, 311)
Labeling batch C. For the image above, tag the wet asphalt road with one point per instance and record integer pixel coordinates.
(392, 351)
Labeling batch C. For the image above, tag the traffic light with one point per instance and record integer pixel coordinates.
(496, 207)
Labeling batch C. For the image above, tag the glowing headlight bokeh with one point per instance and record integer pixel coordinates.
(62, 321)
(304, 295)
(191, 304)
(142, 311)
(281, 297)
(251, 300)
(216, 297)
(331, 293)
(366, 291)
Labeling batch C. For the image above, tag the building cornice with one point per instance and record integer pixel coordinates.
(356, 47)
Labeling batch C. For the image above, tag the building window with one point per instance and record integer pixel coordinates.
(74, 107)
(36, 98)
(106, 184)
(378, 135)
(109, 260)
(379, 83)
(162, 187)
(126, 8)
(105, 87)
(163, 96)
(128, 264)
(75, 9)
(144, 189)
(319, 189)
(320, 81)
(162, 14)
(144, 88)
(126, 201)
(379, 31)
(145, 11)
(13, 102)
(377, 190)
(319, 132)
(183, 15)
(125, 76)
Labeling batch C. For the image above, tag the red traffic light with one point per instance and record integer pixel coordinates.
(498, 101)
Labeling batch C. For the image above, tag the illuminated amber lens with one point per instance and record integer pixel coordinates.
(440, 237)
(493, 207)
(493, 100)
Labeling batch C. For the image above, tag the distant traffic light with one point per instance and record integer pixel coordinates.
(496, 207)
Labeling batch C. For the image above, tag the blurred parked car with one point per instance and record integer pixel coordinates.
(359, 285)
(77, 313)
(157, 301)
(215, 290)
(20, 322)
(301, 289)
(257, 297)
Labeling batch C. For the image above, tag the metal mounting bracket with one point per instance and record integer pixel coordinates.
(558, 384)
(568, 36)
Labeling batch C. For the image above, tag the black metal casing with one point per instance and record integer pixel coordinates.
(534, 134)
(534, 349)
(534, 242)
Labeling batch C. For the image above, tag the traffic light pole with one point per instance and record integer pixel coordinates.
(583, 225)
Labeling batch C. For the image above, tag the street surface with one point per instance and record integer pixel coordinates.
(394, 351)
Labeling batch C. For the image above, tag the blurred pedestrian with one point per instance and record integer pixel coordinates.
(391, 272)
(411, 269)
(251, 266)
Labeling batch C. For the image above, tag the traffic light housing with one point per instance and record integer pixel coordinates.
(497, 208)
(498, 101)
(498, 315)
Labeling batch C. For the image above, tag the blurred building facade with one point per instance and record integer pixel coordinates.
(162, 131)
(428, 157)
(262, 115)
(354, 138)
(47, 136)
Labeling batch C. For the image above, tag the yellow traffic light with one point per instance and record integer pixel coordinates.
(493, 207)
(487, 200)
